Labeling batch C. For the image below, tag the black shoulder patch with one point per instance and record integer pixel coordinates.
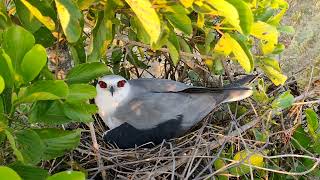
(126, 136)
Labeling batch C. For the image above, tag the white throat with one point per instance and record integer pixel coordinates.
(107, 103)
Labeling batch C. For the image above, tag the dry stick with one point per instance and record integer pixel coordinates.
(214, 145)
(96, 150)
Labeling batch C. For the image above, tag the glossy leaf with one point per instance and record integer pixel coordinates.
(2, 84)
(103, 32)
(148, 17)
(138, 28)
(33, 62)
(68, 175)
(313, 124)
(245, 15)
(70, 19)
(43, 90)
(13, 145)
(45, 20)
(80, 111)
(174, 47)
(84, 73)
(6, 68)
(179, 19)
(57, 142)
(44, 37)
(81, 92)
(226, 10)
(27, 172)
(30, 145)
(242, 55)
(49, 113)
(8, 173)
(283, 101)
(272, 69)
(300, 138)
(27, 19)
(16, 43)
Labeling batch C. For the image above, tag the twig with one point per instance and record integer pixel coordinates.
(96, 150)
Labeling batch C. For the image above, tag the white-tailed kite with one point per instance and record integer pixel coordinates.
(151, 110)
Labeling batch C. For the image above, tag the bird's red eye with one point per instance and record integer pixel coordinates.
(102, 84)
(121, 83)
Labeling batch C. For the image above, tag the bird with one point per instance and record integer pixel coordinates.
(144, 110)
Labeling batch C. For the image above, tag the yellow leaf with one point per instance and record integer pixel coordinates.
(45, 20)
(239, 54)
(254, 159)
(223, 45)
(200, 20)
(186, 3)
(272, 69)
(148, 17)
(267, 33)
(226, 10)
(227, 44)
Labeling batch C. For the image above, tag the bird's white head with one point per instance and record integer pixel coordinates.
(111, 91)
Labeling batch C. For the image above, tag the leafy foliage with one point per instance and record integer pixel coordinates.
(244, 31)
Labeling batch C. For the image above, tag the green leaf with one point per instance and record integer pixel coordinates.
(6, 68)
(285, 100)
(57, 142)
(103, 32)
(84, 4)
(16, 43)
(30, 145)
(8, 173)
(29, 172)
(68, 175)
(245, 15)
(81, 92)
(313, 123)
(179, 19)
(78, 52)
(286, 29)
(70, 19)
(138, 28)
(49, 112)
(84, 73)
(33, 62)
(174, 47)
(13, 145)
(80, 112)
(26, 17)
(2, 85)
(3, 119)
(272, 69)
(148, 17)
(43, 90)
(184, 46)
(45, 20)
(300, 139)
(44, 37)
(226, 10)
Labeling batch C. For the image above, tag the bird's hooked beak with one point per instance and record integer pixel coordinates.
(111, 90)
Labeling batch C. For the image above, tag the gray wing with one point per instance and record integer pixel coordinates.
(157, 85)
(151, 109)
